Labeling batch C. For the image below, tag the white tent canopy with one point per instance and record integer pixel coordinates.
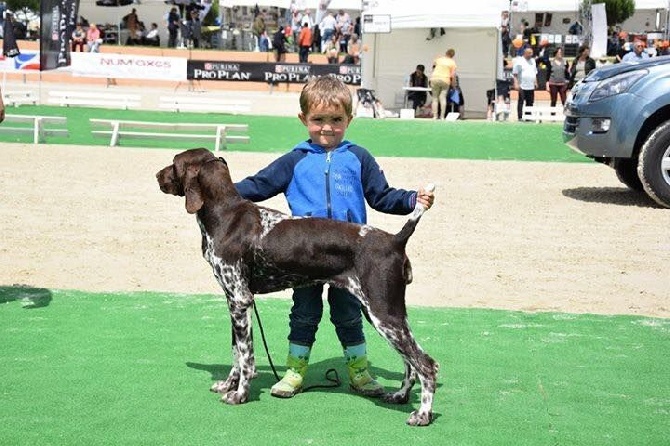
(471, 28)
(573, 5)
(351, 5)
(422, 13)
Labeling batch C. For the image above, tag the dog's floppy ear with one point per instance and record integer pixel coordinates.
(192, 190)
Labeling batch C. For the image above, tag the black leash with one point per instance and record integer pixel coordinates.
(331, 374)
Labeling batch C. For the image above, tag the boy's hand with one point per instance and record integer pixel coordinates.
(425, 197)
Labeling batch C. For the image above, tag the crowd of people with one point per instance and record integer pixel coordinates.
(88, 37)
(562, 74)
(559, 75)
(334, 35)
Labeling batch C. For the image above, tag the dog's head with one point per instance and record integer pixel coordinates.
(182, 176)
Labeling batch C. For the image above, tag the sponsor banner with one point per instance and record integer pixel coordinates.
(27, 60)
(120, 66)
(270, 72)
(58, 20)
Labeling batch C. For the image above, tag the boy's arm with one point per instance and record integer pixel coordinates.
(271, 181)
(379, 195)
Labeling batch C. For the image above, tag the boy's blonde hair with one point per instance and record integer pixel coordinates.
(325, 90)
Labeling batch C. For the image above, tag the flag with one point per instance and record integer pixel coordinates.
(9, 46)
(59, 18)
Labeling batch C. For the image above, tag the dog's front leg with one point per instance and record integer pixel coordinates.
(401, 396)
(241, 325)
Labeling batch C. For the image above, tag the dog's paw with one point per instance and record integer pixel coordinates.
(234, 398)
(396, 398)
(225, 386)
(418, 418)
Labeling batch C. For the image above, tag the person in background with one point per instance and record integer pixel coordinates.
(78, 38)
(132, 23)
(637, 54)
(558, 77)
(304, 42)
(258, 28)
(525, 80)
(353, 51)
(93, 40)
(418, 79)
(353, 179)
(581, 65)
(327, 27)
(264, 42)
(344, 28)
(442, 77)
(2, 108)
(152, 38)
(331, 49)
(194, 27)
(279, 44)
(664, 48)
(172, 21)
(624, 46)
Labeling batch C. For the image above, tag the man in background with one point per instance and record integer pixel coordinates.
(637, 54)
(525, 80)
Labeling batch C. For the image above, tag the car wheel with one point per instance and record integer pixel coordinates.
(626, 172)
(654, 165)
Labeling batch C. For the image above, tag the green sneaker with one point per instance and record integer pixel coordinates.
(291, 383)
(360, 380)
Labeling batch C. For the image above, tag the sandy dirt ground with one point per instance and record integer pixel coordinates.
(508, 235)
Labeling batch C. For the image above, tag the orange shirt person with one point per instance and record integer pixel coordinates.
(304, 42)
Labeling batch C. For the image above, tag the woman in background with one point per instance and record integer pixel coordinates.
(581, 66)
(558, 77)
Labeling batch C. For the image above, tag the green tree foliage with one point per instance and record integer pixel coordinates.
(617, 10)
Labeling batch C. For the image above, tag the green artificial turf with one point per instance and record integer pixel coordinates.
(383, 137)
(134, 369)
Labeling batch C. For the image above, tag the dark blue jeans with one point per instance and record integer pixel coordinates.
(345, 314)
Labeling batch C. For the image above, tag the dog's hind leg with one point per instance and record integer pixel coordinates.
(417, 364)
(233, 379)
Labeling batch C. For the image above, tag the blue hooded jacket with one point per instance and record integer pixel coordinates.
(334, 184)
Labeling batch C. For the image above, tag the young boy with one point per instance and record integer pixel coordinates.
(328, 177)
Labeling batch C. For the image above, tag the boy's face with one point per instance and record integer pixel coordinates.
(326, 124)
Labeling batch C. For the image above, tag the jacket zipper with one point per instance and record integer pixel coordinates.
(327, 173)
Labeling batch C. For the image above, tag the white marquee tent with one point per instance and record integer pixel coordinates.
(573, 5)
(471, 28)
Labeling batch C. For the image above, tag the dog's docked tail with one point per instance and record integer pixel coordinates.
(406, 232)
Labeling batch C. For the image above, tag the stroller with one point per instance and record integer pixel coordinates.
(371, 107)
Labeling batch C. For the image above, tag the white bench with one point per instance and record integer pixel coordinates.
(205, 104)
(540, 113)
(38, 126)
(16, 98)
(95, 99)
(137, 129)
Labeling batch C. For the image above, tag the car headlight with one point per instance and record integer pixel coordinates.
(616, 85)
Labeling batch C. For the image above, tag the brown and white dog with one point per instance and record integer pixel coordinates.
(253, 249)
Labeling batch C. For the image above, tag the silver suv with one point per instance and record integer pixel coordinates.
(620, 115)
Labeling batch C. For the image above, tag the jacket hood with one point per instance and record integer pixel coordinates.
(309, 146)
